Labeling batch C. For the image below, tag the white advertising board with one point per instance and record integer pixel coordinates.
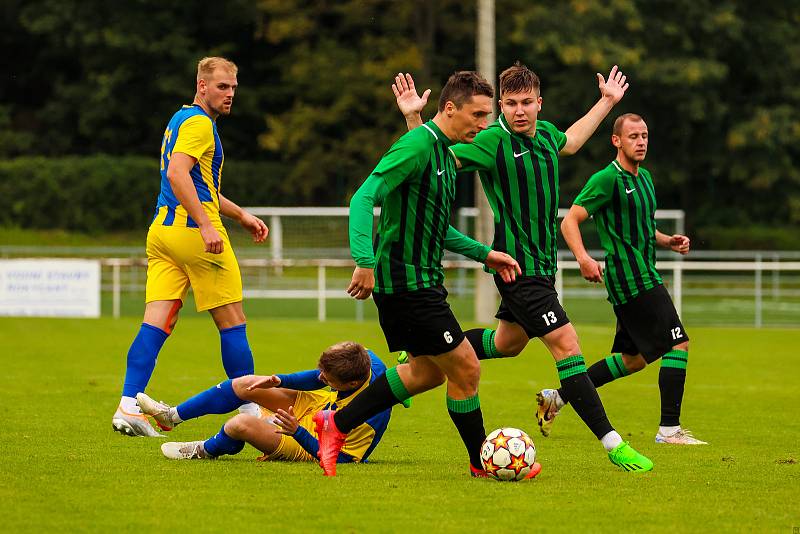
(50, 288)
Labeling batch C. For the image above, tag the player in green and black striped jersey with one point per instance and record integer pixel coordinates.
(415, 184)
(622, 200)
(517, 159)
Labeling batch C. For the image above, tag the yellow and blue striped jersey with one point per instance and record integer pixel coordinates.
(194, 133)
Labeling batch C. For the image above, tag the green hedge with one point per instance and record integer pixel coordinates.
(102, 193)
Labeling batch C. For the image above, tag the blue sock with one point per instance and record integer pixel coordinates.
(222, 443)
(217, 399)
(142, 359)
(237, 358)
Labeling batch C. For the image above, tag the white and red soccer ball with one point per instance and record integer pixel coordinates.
(508, 454)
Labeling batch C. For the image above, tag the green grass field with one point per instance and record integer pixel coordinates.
(62, 468)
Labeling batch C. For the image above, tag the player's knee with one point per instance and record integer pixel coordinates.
(683, 346)
(564, 349)
(468, 376)
(635, 363)
(432, 380)
(241, 384)
(511, 347)
(238, 427)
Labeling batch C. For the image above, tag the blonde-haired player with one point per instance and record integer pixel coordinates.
(187, 245)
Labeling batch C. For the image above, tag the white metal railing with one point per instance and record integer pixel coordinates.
(322, 293)
(275, 215)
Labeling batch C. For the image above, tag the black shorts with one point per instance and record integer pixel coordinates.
(648, 325)
(532, 302)
(420, 322)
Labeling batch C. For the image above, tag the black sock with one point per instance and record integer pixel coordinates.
(582, 395)
(482, 340)
(468, 418)
(671, 382)
(602, 372)
(375, 398)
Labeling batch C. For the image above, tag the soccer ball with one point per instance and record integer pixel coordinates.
(508, 454)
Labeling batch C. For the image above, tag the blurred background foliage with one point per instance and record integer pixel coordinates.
(91, 85)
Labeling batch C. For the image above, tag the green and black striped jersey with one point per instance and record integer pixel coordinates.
(519, 174)
(623, 206)
(415, 184)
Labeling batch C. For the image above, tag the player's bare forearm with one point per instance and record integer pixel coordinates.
(583, 128)
(257, 228)
(591, 270)
(570, 229)
(677, 243)
(413, 121)
(662, 239)
(229, 208)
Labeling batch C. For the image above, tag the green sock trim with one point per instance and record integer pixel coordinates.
(488, 344)
(570, 366)
(675, 358)
(398, 388)
(464, 405)
(617, 366)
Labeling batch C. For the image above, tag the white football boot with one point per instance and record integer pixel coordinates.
(187, 450)
(160, 411)
(679, 437)
(133, 424)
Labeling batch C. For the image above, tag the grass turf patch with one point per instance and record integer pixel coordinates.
(63, 468)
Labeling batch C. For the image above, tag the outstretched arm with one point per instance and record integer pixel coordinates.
(611, 92)
(570, 229)
(677, 242)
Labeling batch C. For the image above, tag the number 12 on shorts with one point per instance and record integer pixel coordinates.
(676, 332)
(549, 318)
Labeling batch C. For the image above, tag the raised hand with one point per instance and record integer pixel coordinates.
(409, 102)
(613, 89)
(506, 266)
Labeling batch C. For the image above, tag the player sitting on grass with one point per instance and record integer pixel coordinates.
(288, 403)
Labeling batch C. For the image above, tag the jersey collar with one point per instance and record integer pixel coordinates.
(616, 165)
(437, 133)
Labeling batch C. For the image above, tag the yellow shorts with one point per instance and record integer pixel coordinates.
(176, 259)
(305, 406)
